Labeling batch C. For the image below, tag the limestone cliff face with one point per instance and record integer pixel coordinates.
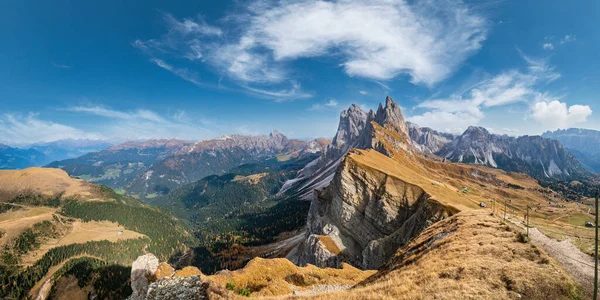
(364, 216)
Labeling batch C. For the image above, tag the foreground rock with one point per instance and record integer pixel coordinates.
(153, 280)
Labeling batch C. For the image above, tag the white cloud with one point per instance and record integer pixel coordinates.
(426, 40)
(24, 129)
(111, 113)
(181, 72)
(293, 93)
(453, 113)
(547, 46)
(363, 92)
(567, 38)
(188, 26)
(146, 124)
(332, 103)
(554, 114)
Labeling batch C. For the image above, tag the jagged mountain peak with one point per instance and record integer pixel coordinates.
(277, 134)
(390, 116)
(478, 130)
(352, 122)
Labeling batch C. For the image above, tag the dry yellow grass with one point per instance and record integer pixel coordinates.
(329, 244)
(12, 223)
(44, 181)
(277, 277)
(252, 179)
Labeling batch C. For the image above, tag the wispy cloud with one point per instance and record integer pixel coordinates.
(459, 111)
(181, 72)
(426, 40)
(331, 103)
(24, 129)
(146, 124)
(567, 39)
(293, 93)
(362, 92)
(115, 114)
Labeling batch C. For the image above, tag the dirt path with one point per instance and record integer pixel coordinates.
(577, 263)
(42, 288)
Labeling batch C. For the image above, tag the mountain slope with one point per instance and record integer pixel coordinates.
(49, 217)
(212, 157)
(382, 197)
(15, 158)
(244, 204)
(470, 255)
(426, 139)
(539, 157)
(118, 165)
(583, 143)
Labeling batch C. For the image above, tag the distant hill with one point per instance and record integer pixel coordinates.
(15, 158)
(583, 143)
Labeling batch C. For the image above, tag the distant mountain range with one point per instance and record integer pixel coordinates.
(15, 158)
(40, 154)
(118, 165)
(536, 156)
(70, 148)
(153, 168)
(583, 143)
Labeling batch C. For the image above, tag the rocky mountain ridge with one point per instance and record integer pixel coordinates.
(534, 155)
(427, 140)
(195, 161)
(15, 158)
(583, 143)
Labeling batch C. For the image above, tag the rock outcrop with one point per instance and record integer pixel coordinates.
(142, 274)
(189, 288)
(363, 217)
(153, 281)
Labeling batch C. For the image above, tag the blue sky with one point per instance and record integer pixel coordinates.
(201, 69)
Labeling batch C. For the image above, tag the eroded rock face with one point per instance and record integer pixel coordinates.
(367, 215)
